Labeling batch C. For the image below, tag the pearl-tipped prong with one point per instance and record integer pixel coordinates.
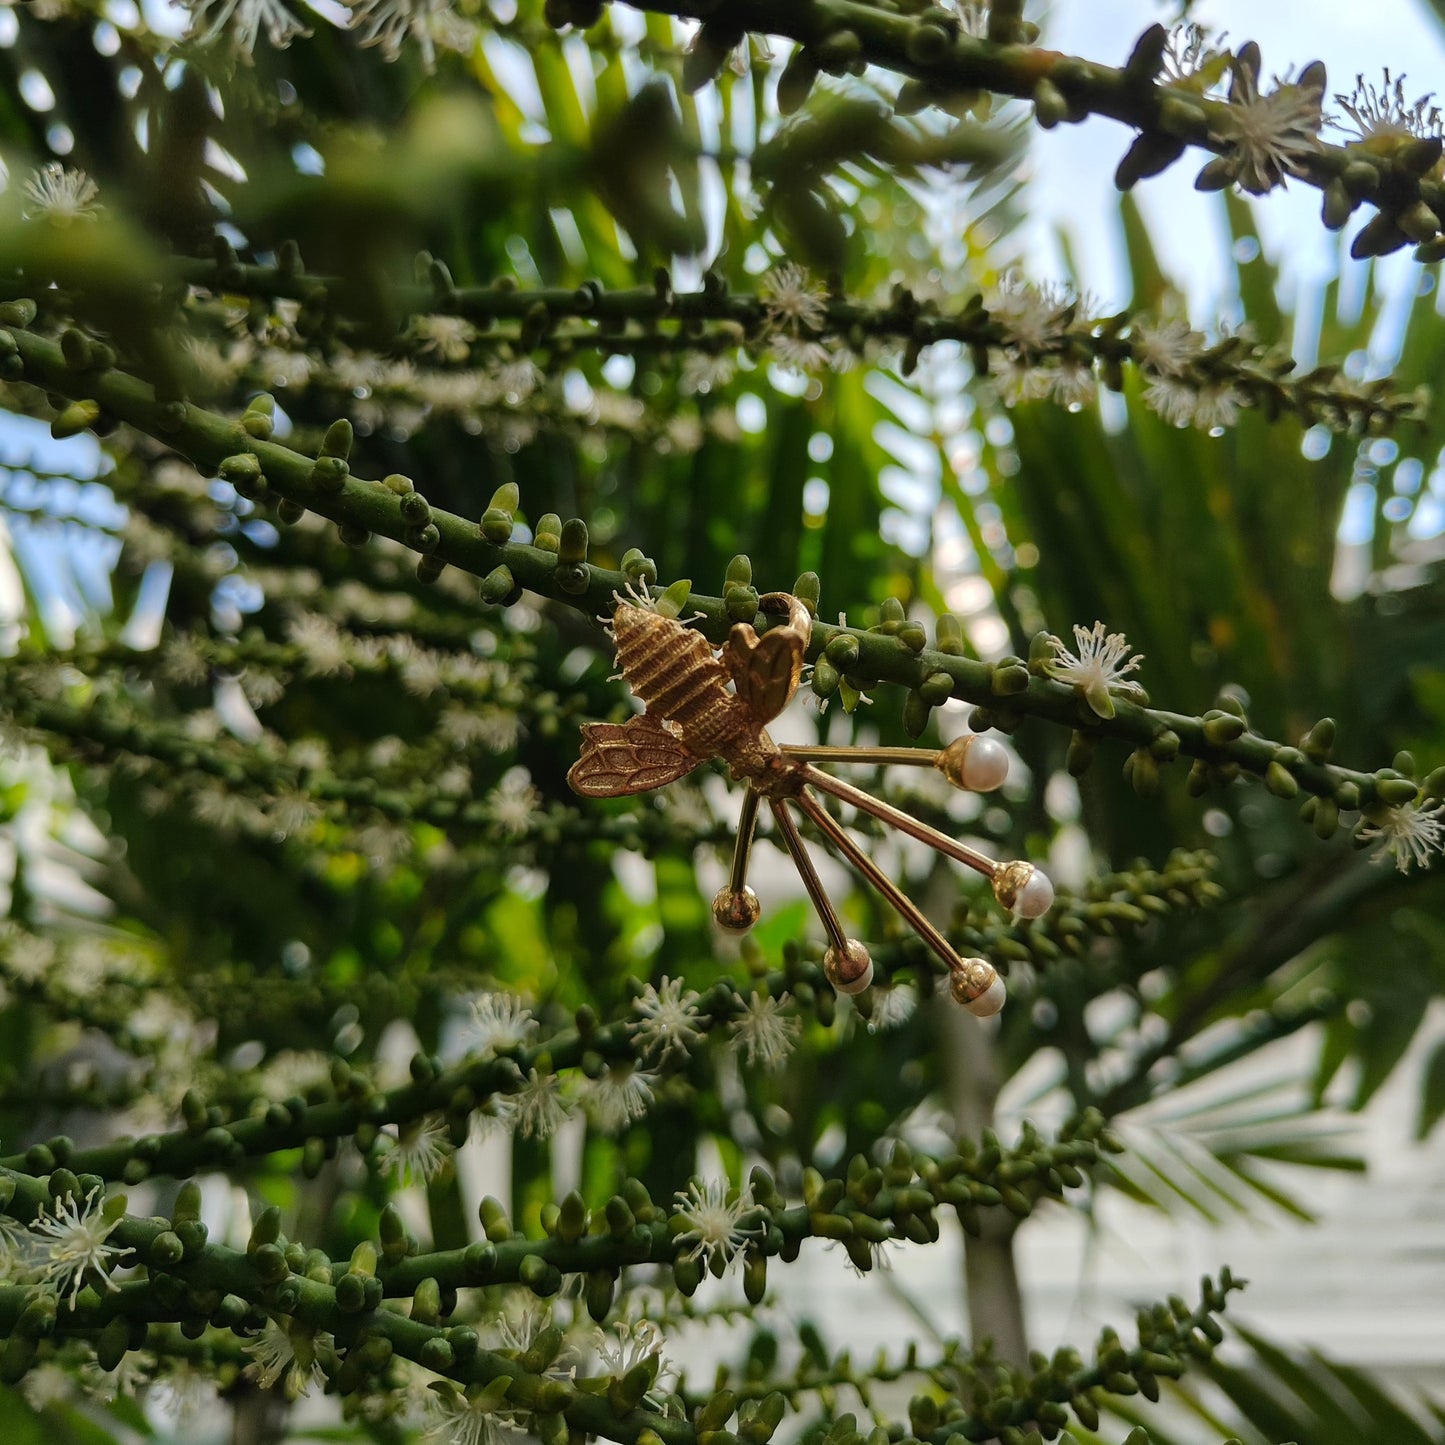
(1023, 889)
(975, 763)
(736, 909)
(975, 983)
(851, 971)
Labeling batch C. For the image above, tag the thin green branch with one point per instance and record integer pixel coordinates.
(714, 319)
(930, 48)
(1220, 741)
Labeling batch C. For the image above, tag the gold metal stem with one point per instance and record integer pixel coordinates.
(903, 906)
(742, 849)
(789, 829)
(896, 818)
(878, 757)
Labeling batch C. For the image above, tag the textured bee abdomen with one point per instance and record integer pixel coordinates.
(670, 667)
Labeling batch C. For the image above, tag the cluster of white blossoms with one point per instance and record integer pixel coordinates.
(386, 24)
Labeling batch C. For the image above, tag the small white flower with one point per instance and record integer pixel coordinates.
(629, 1343)
(262, 689)
(1100, 665)
(669, 1019)
(17, 1255)
(713, 1214)
(764, 1035)
(420, 1152)
(386, 752)
(46, 1384)
(468, 1418)
(289, 1351)
(522, 1323)
(384, 843)
(792, 300)
(514, 804)
(1033, 316)
(389, 23)
(705, 371)
(60, 195)
(128, 1378)
(501, 1021)
(799, 353)
(243, 20)
(448, 337)
(308, 755)
(1167, 346)
(27, 958)
(225, 811)
(1193, 55)
(1408, 833)
(1381, 113)
(294, 1071)
(539, 1107)
(1017, 379)
(494, 729)
(1210, 406)
(74, 1244)
(1271, 136)
(892, 1007)
(1071, 383)
(973, 18)
(182, 1394)
(516, 380)
(321, 643)
(291, 813)
(421, 671)
(623, 1093)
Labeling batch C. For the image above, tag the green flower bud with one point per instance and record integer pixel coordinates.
(1050, 106)
(79, 416)
(796, 81)
(259, 418)
(640, 570)
(495, 1224)
(1280, 781)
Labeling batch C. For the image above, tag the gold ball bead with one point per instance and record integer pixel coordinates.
(737, 912)
(851, 971)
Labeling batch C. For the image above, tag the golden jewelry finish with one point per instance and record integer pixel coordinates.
(702, 705)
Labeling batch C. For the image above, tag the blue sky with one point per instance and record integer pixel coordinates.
(1074, 165)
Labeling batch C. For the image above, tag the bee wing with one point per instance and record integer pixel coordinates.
(765, 669)
(619, 759)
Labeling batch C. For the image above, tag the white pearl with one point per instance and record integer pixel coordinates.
(1036, 897)
(985, 765)
(990, 1001)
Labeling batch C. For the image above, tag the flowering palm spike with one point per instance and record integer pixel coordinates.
(692, 715)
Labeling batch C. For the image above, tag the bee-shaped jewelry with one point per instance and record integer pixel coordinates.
(702, 705)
